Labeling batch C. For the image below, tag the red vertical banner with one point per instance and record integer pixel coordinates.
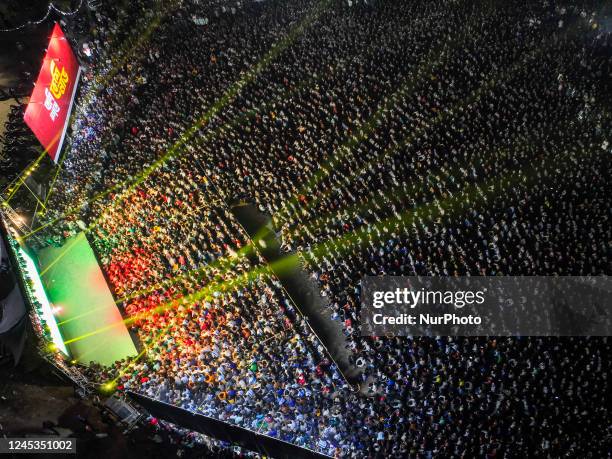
(49, 108)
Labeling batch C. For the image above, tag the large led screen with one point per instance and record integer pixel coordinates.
(49, 108)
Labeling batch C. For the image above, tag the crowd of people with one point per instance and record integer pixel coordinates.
(384, 138)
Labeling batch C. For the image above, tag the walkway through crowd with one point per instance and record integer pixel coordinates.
(301, 288)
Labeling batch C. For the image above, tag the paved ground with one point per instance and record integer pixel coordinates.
(21, 52)
(30, 395)
(7, 80)
(20, 55)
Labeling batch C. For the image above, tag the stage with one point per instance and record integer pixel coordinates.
(89, 320)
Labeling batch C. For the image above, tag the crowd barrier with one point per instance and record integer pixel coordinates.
(223, 431)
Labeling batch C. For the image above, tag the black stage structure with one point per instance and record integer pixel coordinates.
(245, 438)
(13, 313)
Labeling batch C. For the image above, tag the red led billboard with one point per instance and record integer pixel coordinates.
(49, 108)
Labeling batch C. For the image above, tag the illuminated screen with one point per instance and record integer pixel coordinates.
(49, 108)
(39, 293)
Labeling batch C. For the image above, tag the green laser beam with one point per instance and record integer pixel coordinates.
(455, 171)
(427, 65)
(276, 49)
(100, 80)
(469, 197)
(324, 171)
(26, 173)
(365, 129)
(442, 115)
(226, 98)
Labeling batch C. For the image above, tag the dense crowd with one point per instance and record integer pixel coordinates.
(448, 138)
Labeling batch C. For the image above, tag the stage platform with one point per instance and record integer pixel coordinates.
(88, 318)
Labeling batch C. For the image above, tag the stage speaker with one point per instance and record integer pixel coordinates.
(122, 410)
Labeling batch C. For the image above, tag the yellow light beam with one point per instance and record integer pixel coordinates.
(456, 171)
(363, 131)
(198, 273)
(112, 383)
(100, 81)
(500, 76)
(59, 257)
(229, 95)
(226, 98)
(472, 195)
(25, 173)
(434, 58)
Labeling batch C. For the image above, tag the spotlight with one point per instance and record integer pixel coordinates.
(108, 387)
